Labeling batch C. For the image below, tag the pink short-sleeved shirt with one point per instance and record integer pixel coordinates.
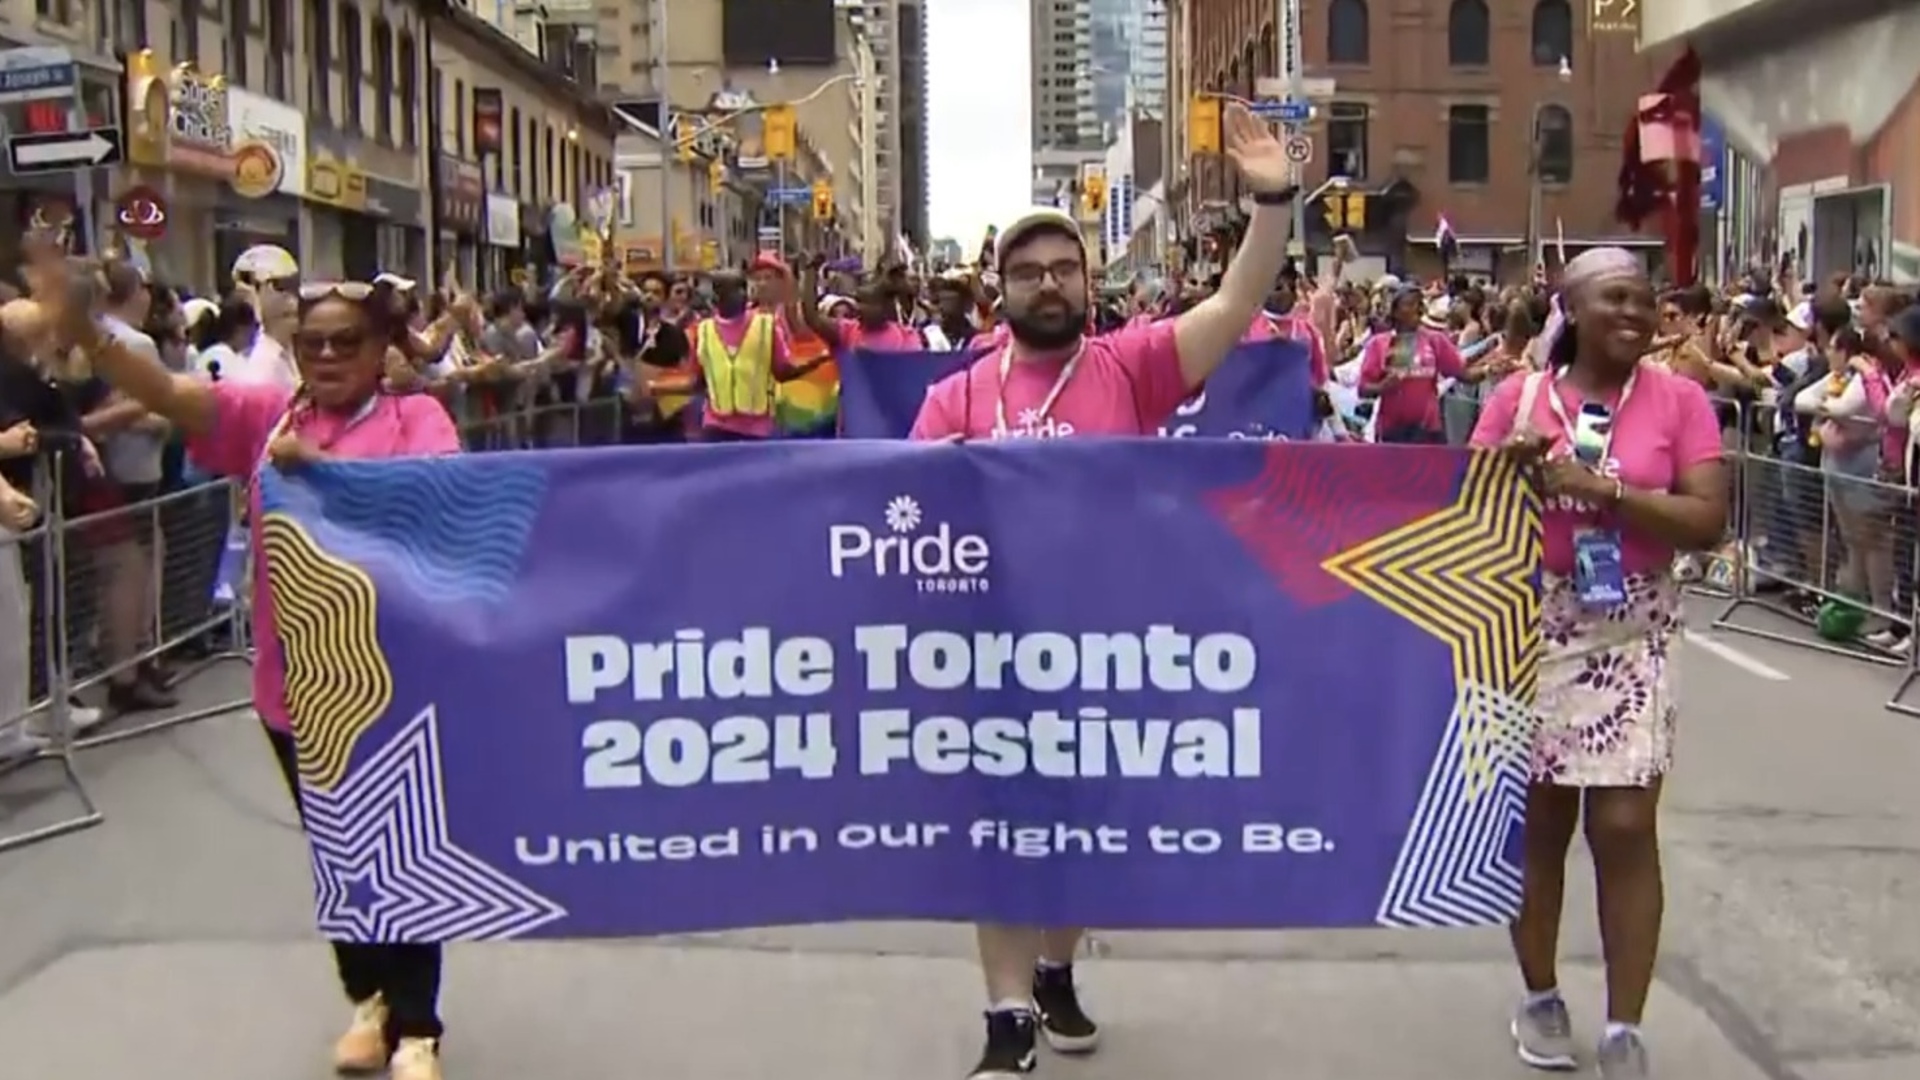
(1126, 383)
(887, 337)
(1414, 401)
(1295, 327)
(1666, 428)
(245, 416)
(732, 332)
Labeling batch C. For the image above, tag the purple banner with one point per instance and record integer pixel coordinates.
(1119, 683)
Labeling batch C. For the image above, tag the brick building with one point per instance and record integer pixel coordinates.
(1438, 107)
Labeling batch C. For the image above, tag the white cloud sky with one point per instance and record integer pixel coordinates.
(980, 116)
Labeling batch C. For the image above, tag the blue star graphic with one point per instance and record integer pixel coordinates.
(384, 867)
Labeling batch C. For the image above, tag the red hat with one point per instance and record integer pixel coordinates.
(767, 260)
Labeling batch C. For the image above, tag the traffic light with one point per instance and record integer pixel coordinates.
(779, 132)
(1093, 192)
(716, 176)
(822, 200)
(1344, 211)
(1203, 125)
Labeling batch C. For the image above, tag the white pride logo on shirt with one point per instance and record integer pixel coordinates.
(932, 555)
(1031, 425)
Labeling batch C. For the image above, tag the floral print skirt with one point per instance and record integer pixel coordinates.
(1606, 704)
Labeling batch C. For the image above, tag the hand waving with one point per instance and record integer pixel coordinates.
(1261, 159)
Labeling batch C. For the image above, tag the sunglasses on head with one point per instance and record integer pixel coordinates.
(353, 291)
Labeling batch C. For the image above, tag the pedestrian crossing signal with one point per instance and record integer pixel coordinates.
(1095, 192)
(822, 201)
(716, 176)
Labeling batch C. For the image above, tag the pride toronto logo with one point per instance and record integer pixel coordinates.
(930, 554)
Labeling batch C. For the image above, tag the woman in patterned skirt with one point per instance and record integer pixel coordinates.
(1628, 455)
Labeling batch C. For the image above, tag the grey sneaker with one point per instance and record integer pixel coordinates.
(1623, 1056)
(1543, 1035)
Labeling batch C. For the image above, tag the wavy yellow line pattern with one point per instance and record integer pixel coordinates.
(338, 681)
(1465, 575)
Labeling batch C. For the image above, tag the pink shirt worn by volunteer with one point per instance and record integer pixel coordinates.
(732, 332)
(1126, 383)
(245, 415)
(1414, 401)
(887, 337)
(1295, 327)
(1666, 427)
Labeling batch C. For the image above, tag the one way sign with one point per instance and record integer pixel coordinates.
(63, 151)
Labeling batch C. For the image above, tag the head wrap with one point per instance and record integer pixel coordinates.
(1587, 268)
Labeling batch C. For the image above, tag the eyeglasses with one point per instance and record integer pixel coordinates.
(1028, 275)
(352, 291)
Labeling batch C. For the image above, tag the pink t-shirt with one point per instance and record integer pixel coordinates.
(1414, 401)
(1126, 383)
(1294, 327)
(397, 425)
(732, 332)
(887, 337)
(1666, 428)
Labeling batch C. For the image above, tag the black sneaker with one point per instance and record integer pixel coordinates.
(1068, 1028)
(1010, 1046)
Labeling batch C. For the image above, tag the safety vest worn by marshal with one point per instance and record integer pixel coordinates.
(739, 381)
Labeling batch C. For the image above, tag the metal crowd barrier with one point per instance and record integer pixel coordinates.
(90, 598)
(1807, 536)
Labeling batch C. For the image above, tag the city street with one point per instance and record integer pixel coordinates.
(173, 942)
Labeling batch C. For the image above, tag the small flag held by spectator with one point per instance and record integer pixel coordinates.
(1444, 240)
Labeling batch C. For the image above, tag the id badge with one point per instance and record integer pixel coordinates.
(1597, 570)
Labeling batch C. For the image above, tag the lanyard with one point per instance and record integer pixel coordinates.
(1046, 403)
(285, 425)
(1566, 423)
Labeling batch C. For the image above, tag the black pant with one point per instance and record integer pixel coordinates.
(407, 976)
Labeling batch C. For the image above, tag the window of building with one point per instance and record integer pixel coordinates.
(320, 71)
(514, 154)
(1469, 144)
(234, 60)
(1347, 139)
(55, 11)
(279, 20)
(459, 114)
(383, 81)
(1348, 32)
(437, 104)
(550, 178)
(1552, 32)
(409, 91)
(1469, 29)
(130, 25)
(1553, 144)
(353, 68)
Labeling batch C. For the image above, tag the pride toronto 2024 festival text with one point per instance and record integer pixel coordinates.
(729, 745)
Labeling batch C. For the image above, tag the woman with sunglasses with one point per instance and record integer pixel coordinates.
(232, 428)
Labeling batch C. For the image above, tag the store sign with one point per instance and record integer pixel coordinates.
(199, 127)
(462, 195)
(337, 183)
(269, 145)
(489, 119)
(503, 221)
(142, 213)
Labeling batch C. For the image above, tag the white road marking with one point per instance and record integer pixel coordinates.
(1738, 658)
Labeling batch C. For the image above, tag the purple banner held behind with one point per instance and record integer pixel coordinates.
(1118, 683)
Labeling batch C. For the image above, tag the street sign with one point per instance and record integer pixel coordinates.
(63, 151)
(1285, 111)
(790, 196)
(37, 73)
(1299, 149)
(639, 113)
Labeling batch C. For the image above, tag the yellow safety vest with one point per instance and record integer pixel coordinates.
(739, 381)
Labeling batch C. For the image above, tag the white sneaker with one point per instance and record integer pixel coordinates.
(18, 742)
(84, 717)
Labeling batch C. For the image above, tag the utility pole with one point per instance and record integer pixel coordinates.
(669, 148)
(867, 79)
(1292, 67)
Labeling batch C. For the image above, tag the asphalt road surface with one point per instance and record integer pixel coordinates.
(173, 942)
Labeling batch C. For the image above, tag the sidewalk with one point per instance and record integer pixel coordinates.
(173, 943)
